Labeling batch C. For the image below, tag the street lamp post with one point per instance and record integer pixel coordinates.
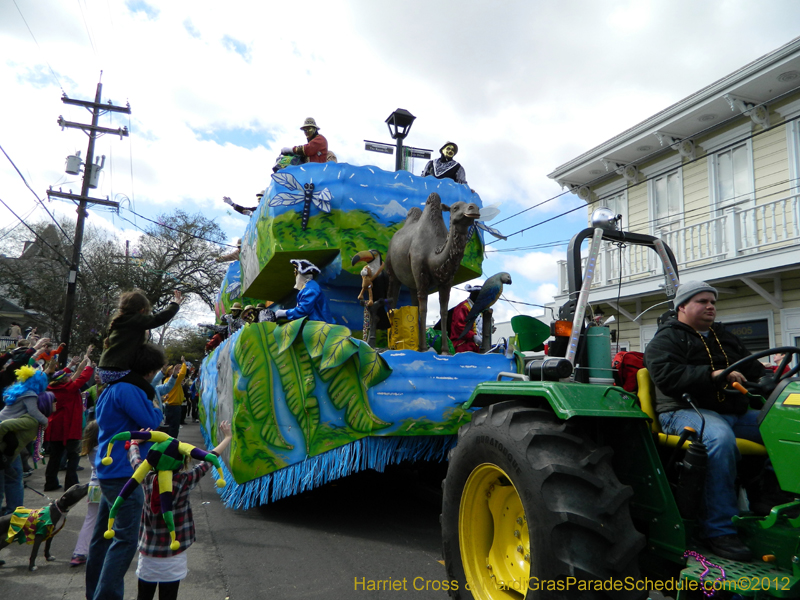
(399, 123)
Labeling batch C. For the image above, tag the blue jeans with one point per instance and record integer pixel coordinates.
(719, 436)
(173, 416)
(12, 486)
(108, 560)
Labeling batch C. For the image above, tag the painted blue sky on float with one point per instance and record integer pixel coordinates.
(387, 195)
(232, 283)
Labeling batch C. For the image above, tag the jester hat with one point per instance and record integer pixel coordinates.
(165, 456)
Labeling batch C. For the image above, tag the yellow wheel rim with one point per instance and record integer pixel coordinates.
(493, 536)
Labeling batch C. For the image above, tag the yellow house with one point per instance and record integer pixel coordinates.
(717, 177)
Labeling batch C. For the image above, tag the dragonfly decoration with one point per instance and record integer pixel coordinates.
(487, 214)
(304, 194)
(234, 289)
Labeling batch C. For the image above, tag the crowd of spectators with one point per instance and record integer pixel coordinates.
(54, 415)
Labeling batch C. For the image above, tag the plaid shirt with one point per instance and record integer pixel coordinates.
(154, 539)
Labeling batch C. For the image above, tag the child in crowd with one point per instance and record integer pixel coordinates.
(88, 448)
(27, 406)
(92, 394)
(127, 333)
(159, 566)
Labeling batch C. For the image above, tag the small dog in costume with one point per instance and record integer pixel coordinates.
(165, 456)
(41, 525)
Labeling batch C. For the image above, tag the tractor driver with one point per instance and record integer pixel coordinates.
(687, 354)
(316, 150)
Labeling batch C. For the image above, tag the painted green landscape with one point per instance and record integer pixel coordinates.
(299, 390)
(328, 234)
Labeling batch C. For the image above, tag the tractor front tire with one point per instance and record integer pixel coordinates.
(532, 509)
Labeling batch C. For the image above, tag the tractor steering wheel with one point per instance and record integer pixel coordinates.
(768, 383)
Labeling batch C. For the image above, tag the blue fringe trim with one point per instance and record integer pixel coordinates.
(367, 453)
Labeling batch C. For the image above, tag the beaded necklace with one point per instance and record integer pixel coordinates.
(720, 395)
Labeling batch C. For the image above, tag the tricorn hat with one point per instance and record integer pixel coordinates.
(309, 122)
(304, 267)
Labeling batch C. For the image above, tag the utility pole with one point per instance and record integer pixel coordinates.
(84, 200)
(127, 262)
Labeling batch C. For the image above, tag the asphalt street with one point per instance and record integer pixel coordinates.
(371, 536)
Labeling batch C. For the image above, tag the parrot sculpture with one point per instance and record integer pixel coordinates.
(491, 290)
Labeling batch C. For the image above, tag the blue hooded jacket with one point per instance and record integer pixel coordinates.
(122, 407)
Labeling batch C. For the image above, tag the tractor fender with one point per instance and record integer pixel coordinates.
(566, 399)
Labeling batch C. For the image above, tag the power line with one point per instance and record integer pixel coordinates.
(654, 175)
(130, 150)
(655, 152)
(734, 198)
(86, 25)
(25, 181)
(38, 46)
(21, 222)
(128, 220)
(44, 241)
(650, 221)
(198, 237)
(542, 222)
(52, 218)
(533, 247)
(531, 207)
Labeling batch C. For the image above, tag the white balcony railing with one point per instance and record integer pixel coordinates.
(734, 233)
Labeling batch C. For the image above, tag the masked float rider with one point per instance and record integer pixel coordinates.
(244, 210)
(458, 322)
(446, 167)
(232, 321)
(311, 302)
(316, 150)
(264, 313)
(686, 355)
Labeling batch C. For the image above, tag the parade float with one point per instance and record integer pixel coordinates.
(556, 478)
(310, 401)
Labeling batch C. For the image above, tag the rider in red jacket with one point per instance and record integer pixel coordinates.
(316, 150)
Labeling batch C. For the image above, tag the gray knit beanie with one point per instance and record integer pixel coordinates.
(686, 291)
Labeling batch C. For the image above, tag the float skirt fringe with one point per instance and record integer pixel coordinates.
(367, 453)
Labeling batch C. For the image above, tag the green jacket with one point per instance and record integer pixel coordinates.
(128, 334)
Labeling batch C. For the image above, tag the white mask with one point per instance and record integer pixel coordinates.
(301, 280)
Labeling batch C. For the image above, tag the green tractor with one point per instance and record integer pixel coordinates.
(559, 488)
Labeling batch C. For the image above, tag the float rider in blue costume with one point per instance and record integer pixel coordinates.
(311, 302)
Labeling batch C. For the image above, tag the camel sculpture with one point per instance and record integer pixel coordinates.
(424, 254)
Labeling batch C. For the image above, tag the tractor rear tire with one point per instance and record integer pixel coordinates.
(530, 499)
